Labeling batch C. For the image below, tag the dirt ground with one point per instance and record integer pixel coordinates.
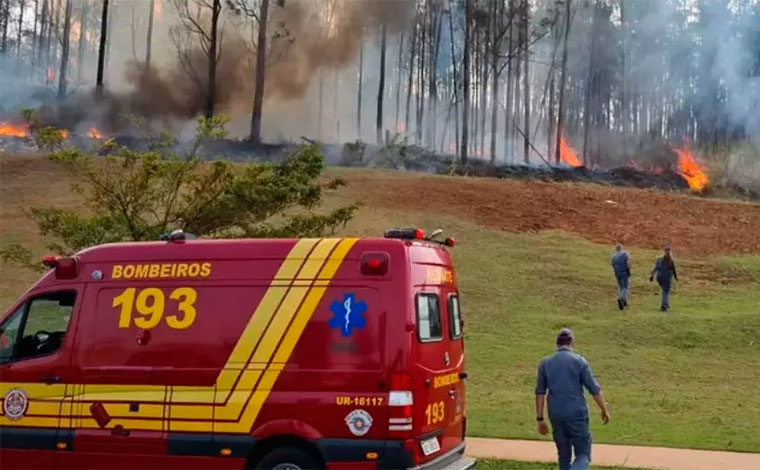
(646, 218)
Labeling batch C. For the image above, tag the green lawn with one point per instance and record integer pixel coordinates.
(688, 378)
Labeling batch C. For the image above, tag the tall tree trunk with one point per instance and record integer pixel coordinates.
(454, 80)
(149, 38)
(261, 55)
(108, 40)
(410, 81)
(22, 7)
(562, 79)
(359, 93)
(526, 91)
(381, 90)
(44, 26)
(35, 36)
(336, 84)
(476, 69)
(5, 12)
(466, 84)
(624, 116)
(320, 99)
(62, 77)
(495, 49)
(508, 154)
(433, 80)
(102, 49)
(82, 40)
(213, 58)
(589, 84)
(420, 102)
(398, 80)
(484, 90)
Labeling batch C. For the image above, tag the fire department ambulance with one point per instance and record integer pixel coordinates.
(278, 354)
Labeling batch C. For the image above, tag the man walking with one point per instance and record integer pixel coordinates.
(621, 266)
(564, 374)
(665, 267)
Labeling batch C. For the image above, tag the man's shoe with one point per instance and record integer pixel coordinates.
(620, 304)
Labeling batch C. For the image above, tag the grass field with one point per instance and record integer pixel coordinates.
(684, 379)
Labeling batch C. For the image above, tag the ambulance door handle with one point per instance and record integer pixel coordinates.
(51, 379)
(452, 393)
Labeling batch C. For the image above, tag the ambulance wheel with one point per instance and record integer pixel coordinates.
(288, 458)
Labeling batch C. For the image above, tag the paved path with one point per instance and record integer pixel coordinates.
(617, 456)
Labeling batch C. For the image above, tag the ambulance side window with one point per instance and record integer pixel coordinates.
(38, 327)
(455, 318)
(429, 326)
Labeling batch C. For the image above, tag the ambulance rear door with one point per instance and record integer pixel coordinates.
(438, 364)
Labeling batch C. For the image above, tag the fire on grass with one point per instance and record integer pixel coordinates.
(8, 129)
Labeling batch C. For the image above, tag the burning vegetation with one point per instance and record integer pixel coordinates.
(692, 172)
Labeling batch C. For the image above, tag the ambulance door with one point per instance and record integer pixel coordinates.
(36, 340)
(119, 408)
(437, 399)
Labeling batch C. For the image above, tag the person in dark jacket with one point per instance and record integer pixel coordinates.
(564, 375)
(665, 268)
(621, 266)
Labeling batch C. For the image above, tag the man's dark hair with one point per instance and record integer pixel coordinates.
(565, 337)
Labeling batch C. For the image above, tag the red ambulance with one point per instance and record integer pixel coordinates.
(277, 354)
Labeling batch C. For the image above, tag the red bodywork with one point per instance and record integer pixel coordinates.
(158, 396)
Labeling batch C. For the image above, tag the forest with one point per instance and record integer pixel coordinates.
(597, 83)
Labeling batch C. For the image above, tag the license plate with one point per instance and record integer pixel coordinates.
(430, 446)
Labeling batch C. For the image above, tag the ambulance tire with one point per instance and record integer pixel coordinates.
(289, 458)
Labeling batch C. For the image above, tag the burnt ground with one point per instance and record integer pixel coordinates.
(603, 214)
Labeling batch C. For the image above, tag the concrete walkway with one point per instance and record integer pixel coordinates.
(617, 456)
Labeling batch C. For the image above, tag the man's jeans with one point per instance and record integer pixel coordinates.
(622, 281)
(572, 436)
(665, 288)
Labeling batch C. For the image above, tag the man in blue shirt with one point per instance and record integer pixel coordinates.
(621, 266)
(564, 374)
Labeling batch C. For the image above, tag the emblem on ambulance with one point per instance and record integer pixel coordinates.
(15, 404)
(348, 314)
(359, 422)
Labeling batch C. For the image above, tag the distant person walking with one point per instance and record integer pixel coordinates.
(621, 266)
(665, 268)
(564, 374)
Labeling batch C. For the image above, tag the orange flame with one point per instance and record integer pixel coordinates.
(94, 133)
(11, 130)
(63, 133)
(692, 172)
(50, 73)
(566, 153)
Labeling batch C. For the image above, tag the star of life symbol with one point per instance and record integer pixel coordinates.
(15, 404)
(348, 314)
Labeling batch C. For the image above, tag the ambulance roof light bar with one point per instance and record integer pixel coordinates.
(405, 233)
(418, 234)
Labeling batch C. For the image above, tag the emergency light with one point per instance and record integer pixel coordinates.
(418, 234)
(65, 267)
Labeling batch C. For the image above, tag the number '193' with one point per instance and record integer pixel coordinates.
(149, 304)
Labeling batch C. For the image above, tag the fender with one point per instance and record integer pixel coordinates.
(285, 427)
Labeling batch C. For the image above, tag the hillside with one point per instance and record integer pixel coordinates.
(533, 257)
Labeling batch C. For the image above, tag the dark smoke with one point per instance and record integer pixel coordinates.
(314, 49)
(180, 91)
